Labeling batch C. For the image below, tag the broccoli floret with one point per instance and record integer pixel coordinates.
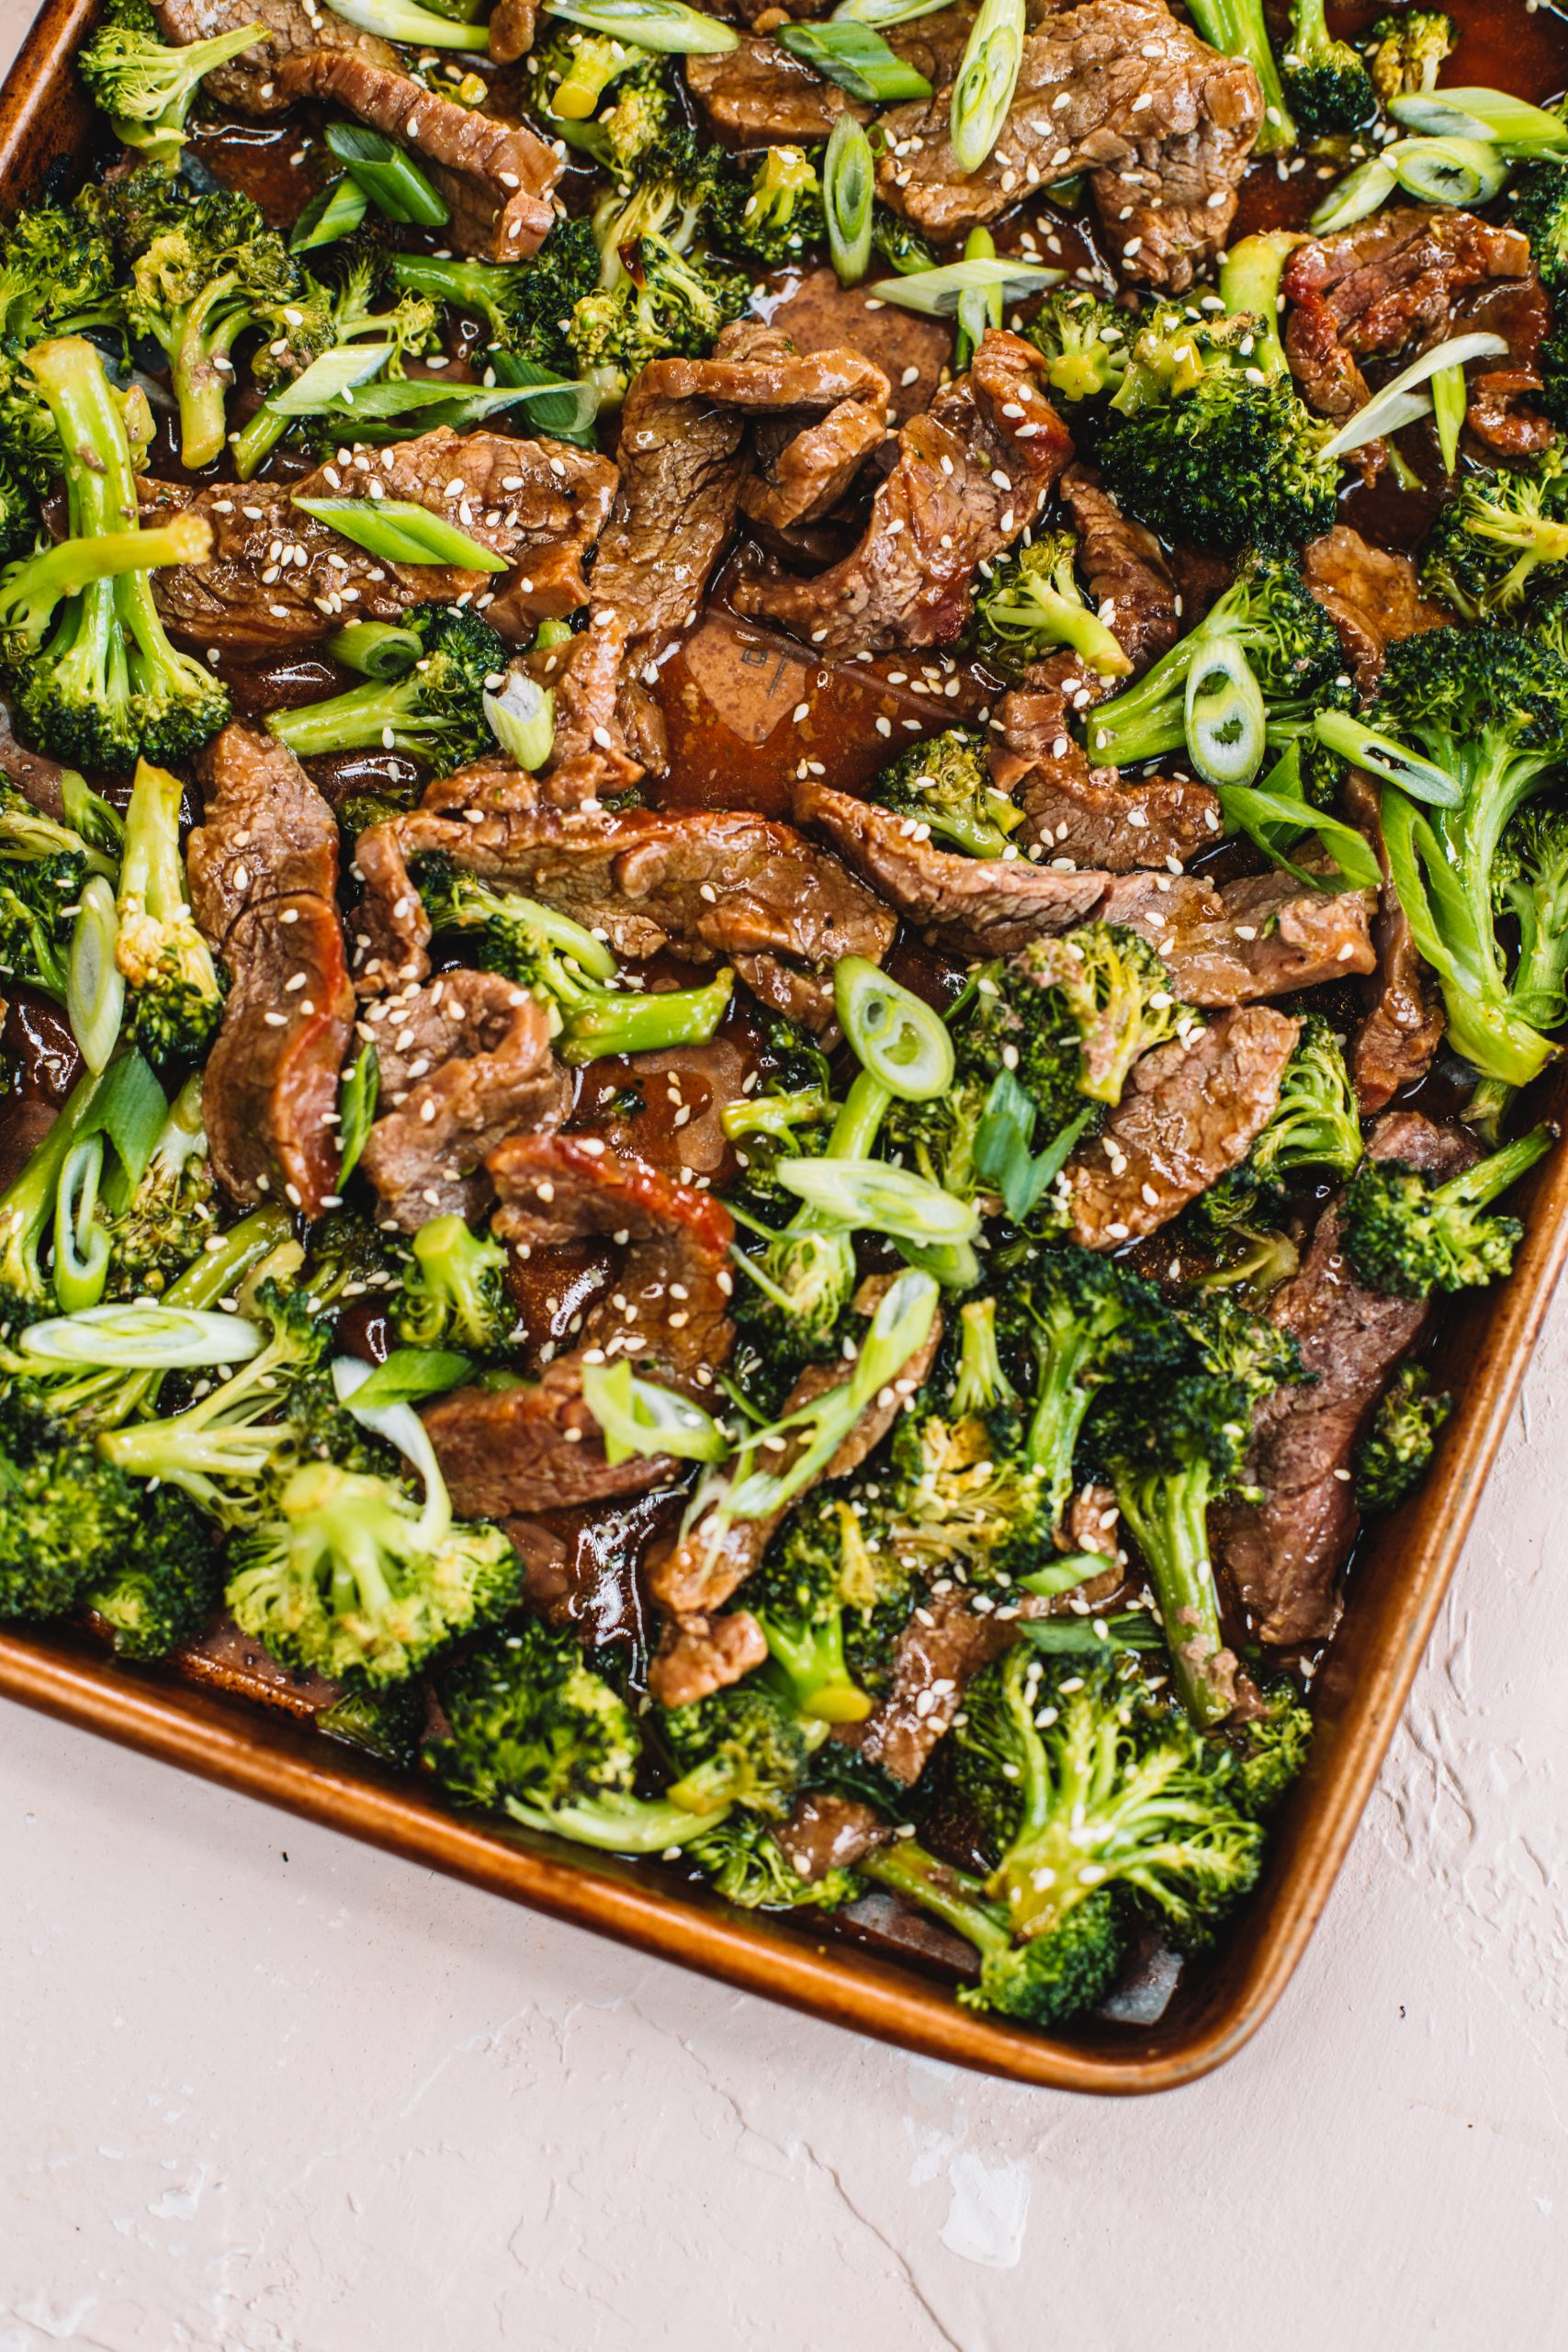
(1111, 998)
(802, 1279)
(1238, 29)
(454, 1290)
(831, 1597)
(663, 197)
(204, 270)
(1537, 204)
(171, 1214)
(436, 711)
(767, 213)
(1033, 602)
(67, 1518)
(1501, 538)
(663, 305)
(1315, 1123)
(1046, 1980)
(1084, 339)
(1289, 643)
(742, 1860)
(899, 243)
(57, 278)
(27, 1211)
(1407, 52)
(1225, 463)
(323, 318)
(945, 783)
(533, 1730)
(1326, 82)
(1267, 1749)
(1407, 1235)
(572, 973)
(1489, 708)
(166, 1585)
(741, 1747)
(32, 592)
(524, 305)
(1396, 1453)
(177, 1000)
(385, 1724)
(107, 688)
(1530, 882)
(146, 88)
(43, 866)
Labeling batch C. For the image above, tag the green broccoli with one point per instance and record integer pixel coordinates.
(163, 1588)
(67, 1518)
(742, 1860)
(1407, 52)
(740, 1747)
(664, 195)
(43, 866)
(454, 1290)
(1315, 1123)
(385, 1724)
(663, 305)
(323, 318)
(176, 998)
(799, 1283)
(1396, 1453)
(1031, 602)
(1327, 80)
(1084, 339)
(768, 212)
(171, 1214)
(436, 711)
(945, 785)
(146, 88)
(1403, 1233)
(1267, 1748)
(1503, 537)
(1530, 882)
(1232, 458)
(525, 306)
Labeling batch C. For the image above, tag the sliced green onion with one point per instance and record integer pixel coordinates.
(401, 20)
(81, 1265)
(857, 59)
(1224, 718)
(564, 404)
(129, 1107)
(396, 531)
(848, 190)
(143, 1335)
(410, 1374)
(401, 1426)
(988, 76)
(1381, 756)
(335, 211)
(1450, 398)
(94, 987)
(1358, 194)
(873, 1196)
(327, 378)
(1482, 114)
(663, 25)
(1276, 818)
(886, 12)
(903, 1044)
(1066, 1573)
(357, 1097)
(1005, 1158)
(521, 717)
(935, 292)
(565, 415)
(1389, 408)
(639, 1418)
(376, 649)
(392, 181)
(1447, 171)
(980, 306)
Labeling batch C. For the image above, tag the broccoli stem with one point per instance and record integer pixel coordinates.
(152, 874)
(951, 1895)
(810, 1658)
(981, 1383)
(32, 591)
(1061, 1406)
(616, 1824)
(601, 1020)
(1168, 1514)
(1236, 28)
(1250, 280)
(364, 718)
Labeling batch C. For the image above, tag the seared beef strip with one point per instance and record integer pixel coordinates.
(270, 1089)
(1189, 1112)
(758, 96)
(34, 775)
(1373, 598)
(511, 25)
(1084, 815)
(1124, 566)
(825, 1832)
(265, 830)
(697, 1655)
(937, 1656)
(512, 1452)
(912, 352)
(248, 83)
(277, 576)
(704, 886)
(972, 473)
(802, 477)
(1397, 1041)
(1118, 88)
(1385, 283)
(1262, 936)
(1283, 1554)
(464, 1062)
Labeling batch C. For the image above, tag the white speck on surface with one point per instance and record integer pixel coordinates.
(990, 2211)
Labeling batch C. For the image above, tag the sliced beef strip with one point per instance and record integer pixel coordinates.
(979, 906)
(1189, 1113)
(1124, 570)
(270, 1089)
(912, 352)
(1262, 936)
(1118, 88)
(1371, 596)
(937, 1656)
(464, 1062)
(512, 26)
(1398, 1041)
(1084, 815)
(758, 96)
(972, 473)
(697, 1655)
(827, 1833)
(248, 83)
(519, 1451)
(266, 832)
(704, 886)
(802, 476)
(277, 576)
(1385, 283)
(36, 778)
(1283, 1554)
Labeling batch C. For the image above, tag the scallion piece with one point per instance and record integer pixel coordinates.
(396, 531)
(392, 181)
(848, 190)
(903, 1044)
(886, 12)
(144, 1334)
(1276, 816)
(980, 306)
(1511, 122)
(857, 59)
(638, 1417)
(1224, 717)
(873, 1196)
(402, 20)
(988, 76)
(327, 378)
(94, 985)
(81, 1265)
(357, 1097)
(522, 719)
(376, 649)
(935, 293)
(1450, 400)
(1358, 194)
(335, 211)
(663, 25)
(1381, 756)
(1447, 171)
(1390, 408)
(410, 1374)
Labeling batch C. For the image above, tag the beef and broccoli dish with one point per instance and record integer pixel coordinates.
(783, 861)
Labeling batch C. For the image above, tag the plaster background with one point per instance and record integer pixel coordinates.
(263, 2090)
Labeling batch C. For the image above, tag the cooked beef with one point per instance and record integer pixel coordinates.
(266, 832)
(1283, 1554)
(270, 1089)
(936, 1657)
(802, 476)
(1189, 1112)
(683, 1091)
(912, 352)
(1084, 815)
(1128, 579)
(1403, 1027)
(520, 1451)
(1389, 281)
(704, 886)
(760, 96)
(1117, 89)
(250, 84)
(825, 1833)
(464, 1062)
(512, 26)
(34, 776)
(700, 1654)
(277, 576)
(972, 473)
(1371, 596)
(979, 906)
(1494, 414)
(1259, 937)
